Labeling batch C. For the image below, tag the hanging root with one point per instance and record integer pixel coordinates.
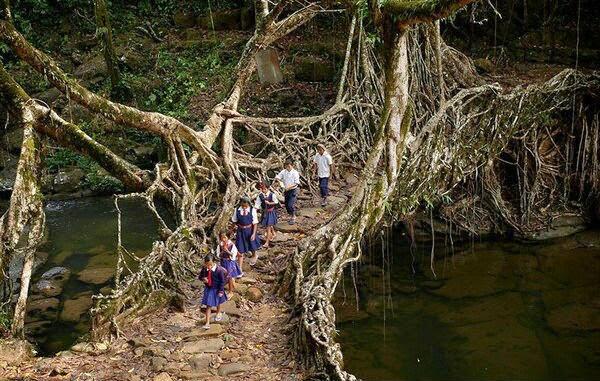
(449, 140)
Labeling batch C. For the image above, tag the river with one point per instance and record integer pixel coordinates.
(82, 236)
(496, 311)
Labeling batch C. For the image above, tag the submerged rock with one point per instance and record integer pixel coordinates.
(99, 275)
(575, 317)
(48, 287)
(74, 308)
(45, 308)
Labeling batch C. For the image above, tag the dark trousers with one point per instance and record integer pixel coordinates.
(324, 186)
(290, 200)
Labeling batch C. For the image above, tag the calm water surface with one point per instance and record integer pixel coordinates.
(496, 311)
(82, 235)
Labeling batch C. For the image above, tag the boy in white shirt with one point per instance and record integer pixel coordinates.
(323, 168)
(290, 178)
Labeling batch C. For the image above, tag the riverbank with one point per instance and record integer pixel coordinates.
(251, 344)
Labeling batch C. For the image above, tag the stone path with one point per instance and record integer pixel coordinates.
(251, 343)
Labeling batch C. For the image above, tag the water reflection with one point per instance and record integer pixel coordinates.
(497, 311)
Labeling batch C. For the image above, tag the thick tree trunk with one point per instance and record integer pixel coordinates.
(104, 33)
(25, 215)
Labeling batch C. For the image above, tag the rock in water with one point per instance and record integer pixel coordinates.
(48, 287)
(74, 308)
(57, 273)
(254, 294)
(99, 275)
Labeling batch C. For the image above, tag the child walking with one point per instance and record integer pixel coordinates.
(290, 178)
(267, 201)
(227, 253)
(246, 237)
(323, 168)
(214, 277)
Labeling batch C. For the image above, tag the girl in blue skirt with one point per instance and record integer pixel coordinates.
(227, 253)
(267, 201)
(214, 278)
(246, 236)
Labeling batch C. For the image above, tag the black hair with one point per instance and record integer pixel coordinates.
(290, 162)
(208, 258)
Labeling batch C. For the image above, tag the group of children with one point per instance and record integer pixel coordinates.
(247, 241)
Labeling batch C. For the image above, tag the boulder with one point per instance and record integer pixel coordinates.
(206, 346)
(184, 19)
(312, 69)
(74, 308)
(230, 308)
(48, 288)
(99, 275)
(562, 226)
(91, 69)
(49, 96)
(67, 180)
(57, 273)
(232, 368)
(229, 19)
(254, 294)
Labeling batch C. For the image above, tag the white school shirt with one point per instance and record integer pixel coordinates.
(289, 178)
(257, 203)
(323, 164)
(247, 210)
(233, 250)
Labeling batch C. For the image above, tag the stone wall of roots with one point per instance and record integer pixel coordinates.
(453, 135)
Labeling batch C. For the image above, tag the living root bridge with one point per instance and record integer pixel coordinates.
(434, 151)
(418, 124)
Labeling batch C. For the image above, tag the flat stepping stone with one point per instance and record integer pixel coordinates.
(285, 227)
(199, 333)
(310, 212)
(232, 368)
(230, 308)
(247, 280)
(203, 346)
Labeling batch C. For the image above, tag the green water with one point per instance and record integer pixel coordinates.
(82, 234)
(497, 311)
